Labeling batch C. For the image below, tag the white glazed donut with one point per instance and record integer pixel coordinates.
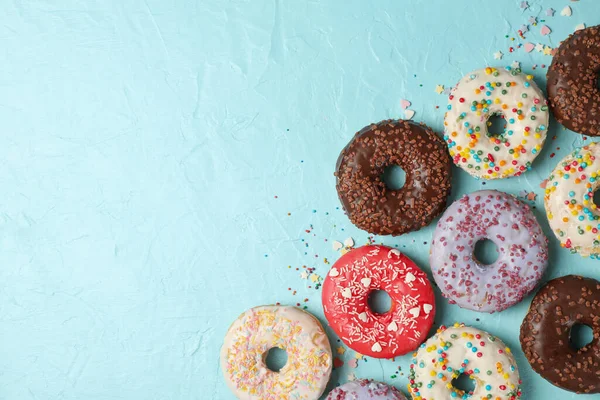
(260, 329)
(464, 350)
(478, 96)
(569, 201)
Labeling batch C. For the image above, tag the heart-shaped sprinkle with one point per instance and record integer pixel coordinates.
(363, 316)
(395, 252)
(566, 12)
(392, 326)
(376, 348)
(337, 245)
(545, 30)
(409, 278)
(580, 27)
(415, 311)
(529, 47)
(404, 104)
(334, 272)
(427, 308)
(349, 242)
(365, 282)
(346, 293)
(408, 114)
(353, 363)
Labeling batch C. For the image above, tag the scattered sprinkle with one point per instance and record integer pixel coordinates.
(550, 12)
(515, 64)
(408, 114)
(539, 47)
(579, 27)
(532, 20)
(404, 104)
(498, 55)
(529, 47)
(566, 12)
(439, 89)
(524, 5)
(353, 363)
(545, 30)
(341, 350)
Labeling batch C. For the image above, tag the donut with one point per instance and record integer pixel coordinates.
(569, 201)
(522, 251)
(260, 329)
(545, 333)
(373, 207)
(482, 94)
(573, 93)
(465, 350)
(365, 389)
(347, 287)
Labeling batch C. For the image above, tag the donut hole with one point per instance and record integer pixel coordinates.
(464, 384)
(275, 359)
(485, 252)
(379, 301)
(393, 177)
(580, 336)
(596, 198)
(496, 125)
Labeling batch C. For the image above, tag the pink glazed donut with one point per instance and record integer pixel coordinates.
(365, 389)
(522, 251)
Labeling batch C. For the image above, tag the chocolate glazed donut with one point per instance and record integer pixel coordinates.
(546, 333)
(573, 91)
(369, 203)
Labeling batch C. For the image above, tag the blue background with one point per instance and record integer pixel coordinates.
(167, 165)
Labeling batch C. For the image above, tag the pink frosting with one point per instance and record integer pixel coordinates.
(522, 248)
(365, 389)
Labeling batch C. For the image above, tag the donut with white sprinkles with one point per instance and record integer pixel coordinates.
(477, 97)
(464, 350)
(522, 249)
(346, 290)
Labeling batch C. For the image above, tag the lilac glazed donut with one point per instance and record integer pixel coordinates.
(522, 251)
(365, 389)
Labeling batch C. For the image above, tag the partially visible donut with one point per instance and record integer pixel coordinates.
(573, 90)
(372, 206)
(460, 350)
(522, 249)
(365, 389)
(260, 329)
(346, 290)
(546, 329)
(569, 201)
(482, 94)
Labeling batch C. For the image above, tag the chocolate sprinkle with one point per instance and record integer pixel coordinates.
(422, 155)
(572, 82)
(545, 333)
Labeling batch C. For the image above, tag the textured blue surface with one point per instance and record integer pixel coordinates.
(162, 162)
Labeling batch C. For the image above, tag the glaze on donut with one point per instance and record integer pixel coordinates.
(572, 82)
(462, 349)
(545, 333)
(478, 96)
(522, 248)
(569, 201)
(373, 207)
(260, 329)
(346, 290)
(365, 389)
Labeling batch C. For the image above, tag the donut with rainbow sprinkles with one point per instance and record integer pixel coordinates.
(489, 92)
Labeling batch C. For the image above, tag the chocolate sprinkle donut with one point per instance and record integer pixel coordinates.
(546, 329)
(573, 82)
(369, 203)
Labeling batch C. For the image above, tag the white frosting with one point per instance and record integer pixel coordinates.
(572, 214)
(462, 349)
(254, 333)
(496, 91)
